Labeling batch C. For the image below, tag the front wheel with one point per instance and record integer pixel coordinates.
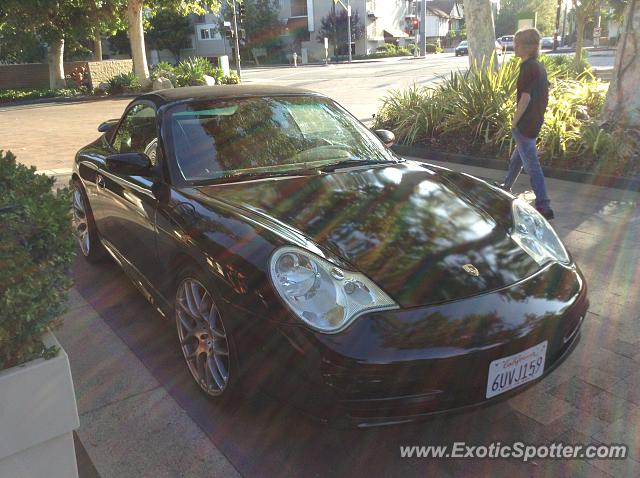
(84, 227)
(205, 341)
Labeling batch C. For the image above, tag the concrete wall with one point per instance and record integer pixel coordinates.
(36, 75)
(102, 71)
(30, 75)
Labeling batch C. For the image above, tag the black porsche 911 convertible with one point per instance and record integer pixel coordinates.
(300, 256)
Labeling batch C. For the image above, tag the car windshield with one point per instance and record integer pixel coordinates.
(463, 43)
(217, 140)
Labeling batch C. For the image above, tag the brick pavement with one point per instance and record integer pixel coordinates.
(592, 398)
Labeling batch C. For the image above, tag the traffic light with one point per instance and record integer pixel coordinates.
(242, 10)
(415, 24)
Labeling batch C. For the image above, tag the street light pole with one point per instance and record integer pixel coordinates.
(564, 23)
(349, 29)
(347, 7)
(423, 28)
(235, 34)
(557, 29)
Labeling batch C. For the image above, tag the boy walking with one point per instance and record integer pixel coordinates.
(532, 99)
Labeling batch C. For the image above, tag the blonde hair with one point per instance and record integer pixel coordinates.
(529, 40)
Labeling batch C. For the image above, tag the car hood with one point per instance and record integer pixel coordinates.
(409, 227)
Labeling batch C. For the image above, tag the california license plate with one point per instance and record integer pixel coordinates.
(510, 372)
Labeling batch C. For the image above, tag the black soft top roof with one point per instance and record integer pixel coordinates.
(198, 93)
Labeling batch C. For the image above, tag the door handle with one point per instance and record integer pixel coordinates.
(100, 182)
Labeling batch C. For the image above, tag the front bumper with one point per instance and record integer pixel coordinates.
(398, 366)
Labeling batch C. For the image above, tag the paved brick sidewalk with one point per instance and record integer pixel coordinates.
(48, 135)
(131, 426)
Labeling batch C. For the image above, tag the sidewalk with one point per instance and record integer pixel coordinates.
(129, 425)
(132, 424)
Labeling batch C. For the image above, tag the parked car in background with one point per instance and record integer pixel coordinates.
(546, 43)
(462, 48)
(507, 42)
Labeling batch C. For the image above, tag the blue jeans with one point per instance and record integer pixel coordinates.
(525, 155)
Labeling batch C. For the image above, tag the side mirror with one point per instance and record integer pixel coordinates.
(107, 125)
(130, 164)
(387, 137)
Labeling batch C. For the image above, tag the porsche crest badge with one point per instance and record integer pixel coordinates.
(471, 270)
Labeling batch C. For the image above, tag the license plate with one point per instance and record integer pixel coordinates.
(510, 372)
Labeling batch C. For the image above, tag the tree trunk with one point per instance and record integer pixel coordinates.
(136, 39)
(56, 64)
(581, 20)
(622, 105)
(97, 45)
(480, 32)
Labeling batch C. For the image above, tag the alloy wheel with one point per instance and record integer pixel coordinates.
(202, 335)
(80, 221)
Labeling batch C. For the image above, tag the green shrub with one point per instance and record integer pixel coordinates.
(7, 96)
(231, 79)
(403, 52)
(163, 66)
(563, 66)
(433, 48)
(123, 83)
(164, 69)
(190, 72)
(387, 48)
(36, 250)
(472, 112)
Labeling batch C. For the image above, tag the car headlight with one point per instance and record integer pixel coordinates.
(535, 235)
(326, 297)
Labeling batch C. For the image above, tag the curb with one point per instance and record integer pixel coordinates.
(66, 99)
(594, 179)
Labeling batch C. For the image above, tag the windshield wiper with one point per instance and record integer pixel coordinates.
(350, 163)
(253, 176)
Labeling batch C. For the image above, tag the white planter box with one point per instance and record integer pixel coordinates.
(37, 417)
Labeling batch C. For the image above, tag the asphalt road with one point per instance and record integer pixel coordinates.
(361, 86)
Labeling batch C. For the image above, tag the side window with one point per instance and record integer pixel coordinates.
(137, 132)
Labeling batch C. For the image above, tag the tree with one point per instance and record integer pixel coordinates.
(134, 15)
(169, 31)
(52, 20)
(507, 19)
(19, 45)
(335, 27)
(261, 23)
(622, 105)
(106, 16)
(480, 31)
(584, 10)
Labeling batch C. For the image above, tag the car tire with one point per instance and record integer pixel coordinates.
(84, 227)
(206, 342)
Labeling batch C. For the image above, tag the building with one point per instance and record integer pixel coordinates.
(387, 21)
(442, 16)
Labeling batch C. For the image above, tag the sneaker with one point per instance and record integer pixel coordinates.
(546, 213)
(502, 186)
